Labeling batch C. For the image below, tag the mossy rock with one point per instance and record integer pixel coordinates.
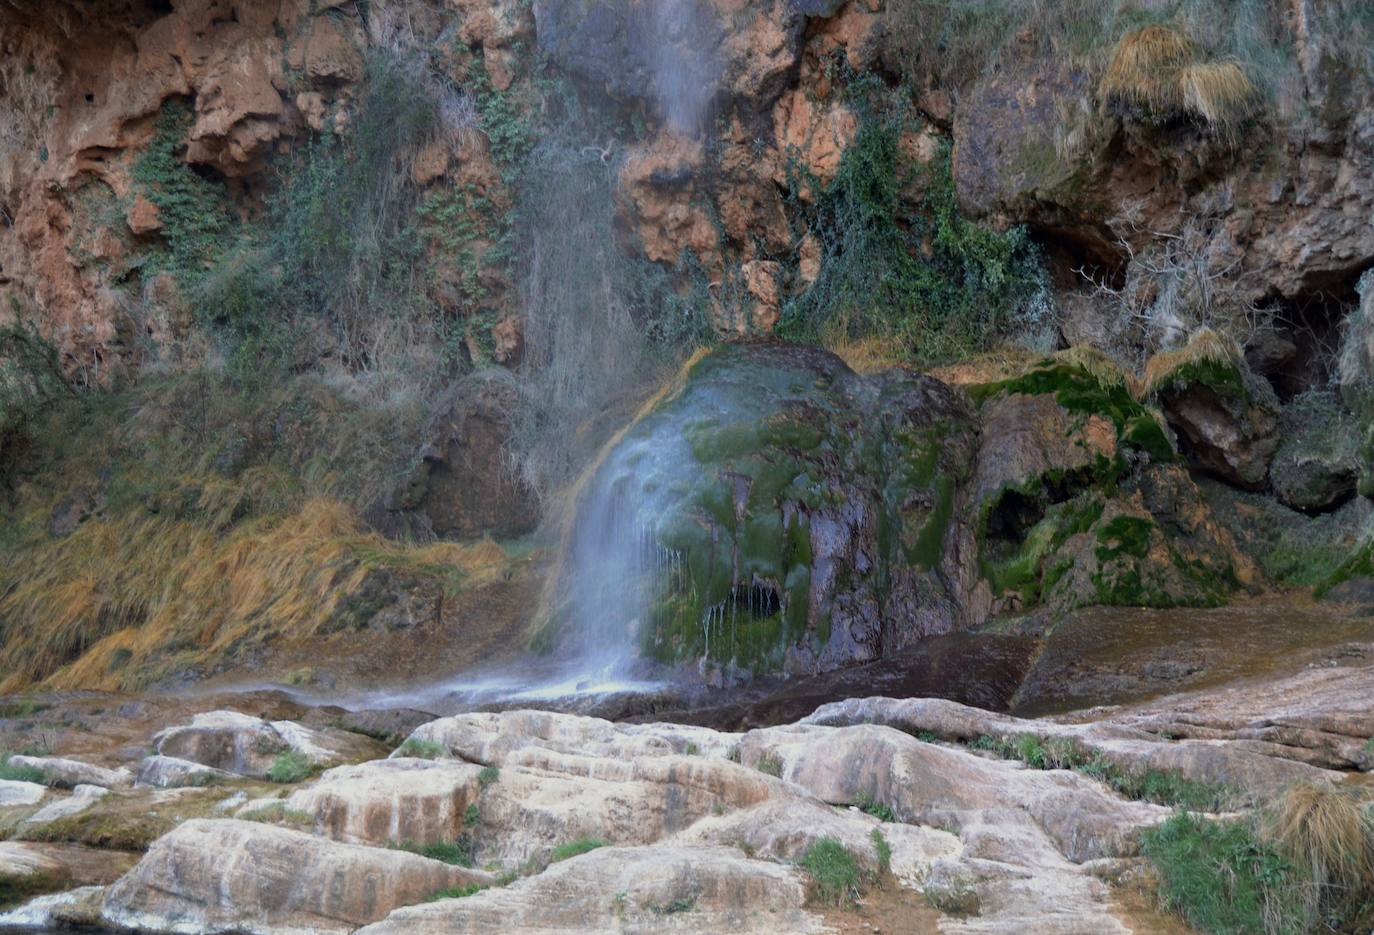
(1226, 416)
(1078, 498)
(784, 512)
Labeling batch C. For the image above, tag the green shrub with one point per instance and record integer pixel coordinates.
(834, 873)
(487, 776)
(575, 848)
(770, 764)
(1222, 878)
(422, 749)
(921, 277)
(197, 227)
(290, 766)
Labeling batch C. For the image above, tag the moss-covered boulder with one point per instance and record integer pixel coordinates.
(1226, 417)
(779, 512)
(1317, 466)
(1078, 498)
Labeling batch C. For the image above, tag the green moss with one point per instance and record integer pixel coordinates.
(1079, 391)
(1223, 378)
(1125, 535)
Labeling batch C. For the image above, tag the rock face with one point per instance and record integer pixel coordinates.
(1034, 143)
(232, 875)
(797, 516)
(399, 799)
(460, 485)
(1227, 418)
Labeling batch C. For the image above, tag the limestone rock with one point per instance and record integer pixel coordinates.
(82, 798)
(399, 799)
(16, 793)
(692, 889)
(165, 772)
(489, 739)
(543, 799)
(246, 745)
(61, 771)
(221, 875)
(926, 783)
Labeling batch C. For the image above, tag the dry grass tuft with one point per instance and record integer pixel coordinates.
(1145, 67)
(1219, 92)
(1205, 347)
(1326, 832)
(1102, 368)
(1159, 69)
(870, 354)
(120, 600)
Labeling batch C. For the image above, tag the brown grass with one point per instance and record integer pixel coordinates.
(869, 355)
(1160, 69)
(121, 599)
(1219, 92)
(1207, 346)
(1326, 831)
(1145, 66)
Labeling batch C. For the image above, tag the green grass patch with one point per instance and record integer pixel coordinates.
(1162, 787)
(1222, 878)
(835, 876)
(456, 892)
(289, 767)
(771, 765)
(869, 806)
(882, 849)
(21, 773)
(458, 853)
(487, 776)
(422, 749)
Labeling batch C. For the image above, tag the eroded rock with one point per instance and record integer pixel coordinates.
(61, 771)
(247, 746)
(691, 889)
(221, 875)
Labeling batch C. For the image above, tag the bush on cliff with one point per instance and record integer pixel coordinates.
(920, 276)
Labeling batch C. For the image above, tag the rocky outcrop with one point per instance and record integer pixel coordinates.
(247, 746)
(1227, 418)
(460, 484)
(165, 772)
(66, 772)
(388, 801)
(221, 875)
(1036, 143)
(804, 517)
(693, 889)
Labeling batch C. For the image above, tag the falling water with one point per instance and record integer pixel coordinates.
(682, 39)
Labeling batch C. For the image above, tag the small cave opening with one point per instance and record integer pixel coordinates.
(1297, 344)
(1076, 259)
(759, 600)
(1013, 516)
